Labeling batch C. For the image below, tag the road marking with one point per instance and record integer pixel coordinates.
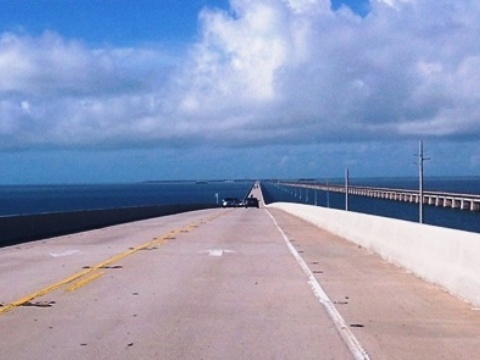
(155, 241)
(218, 252)
(41, 292)
(350, 340)
(84, 281)
(65, 253)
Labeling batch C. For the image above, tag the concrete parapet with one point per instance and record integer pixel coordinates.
(446, 257)
(23, 228)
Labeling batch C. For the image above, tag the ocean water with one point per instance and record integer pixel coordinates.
(22, 200)
(438, 216)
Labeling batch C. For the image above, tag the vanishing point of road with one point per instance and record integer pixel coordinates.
(221, 284)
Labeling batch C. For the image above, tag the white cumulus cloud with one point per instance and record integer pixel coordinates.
(265, 71)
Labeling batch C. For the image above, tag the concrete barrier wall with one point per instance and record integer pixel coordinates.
(19, 229)
(446, 257)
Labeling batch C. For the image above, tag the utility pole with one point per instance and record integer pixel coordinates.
(421, 160)
(346, 189)
(328, 193)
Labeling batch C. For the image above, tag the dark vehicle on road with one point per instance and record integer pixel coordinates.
(251, 202)
(230, 202)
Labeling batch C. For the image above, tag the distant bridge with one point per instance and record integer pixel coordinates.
(435, 198)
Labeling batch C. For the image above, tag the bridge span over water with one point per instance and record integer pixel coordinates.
(239, 284)
(459, 201)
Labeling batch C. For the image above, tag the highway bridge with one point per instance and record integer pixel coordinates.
(223, 284)
(469, 202)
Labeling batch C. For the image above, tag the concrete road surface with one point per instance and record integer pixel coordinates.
(217, 284)
(221, 284)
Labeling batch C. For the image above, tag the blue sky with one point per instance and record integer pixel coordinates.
(120, 91)
(114, 22)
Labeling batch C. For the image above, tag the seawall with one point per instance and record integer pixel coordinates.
(20, 229)
(446, 257)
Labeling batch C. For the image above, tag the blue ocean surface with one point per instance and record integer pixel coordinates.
(22, 200)
(438, 216)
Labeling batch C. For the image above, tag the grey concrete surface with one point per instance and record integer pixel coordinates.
(395, 314)
(446, 257)
(206, 285)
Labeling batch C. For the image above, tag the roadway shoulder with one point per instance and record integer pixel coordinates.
(393, 314)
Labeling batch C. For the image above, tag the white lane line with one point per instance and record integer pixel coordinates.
(350, 340)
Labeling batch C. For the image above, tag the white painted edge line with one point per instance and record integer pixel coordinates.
(350, 340)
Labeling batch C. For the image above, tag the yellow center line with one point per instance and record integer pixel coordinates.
(155, 241)
(84, 281)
